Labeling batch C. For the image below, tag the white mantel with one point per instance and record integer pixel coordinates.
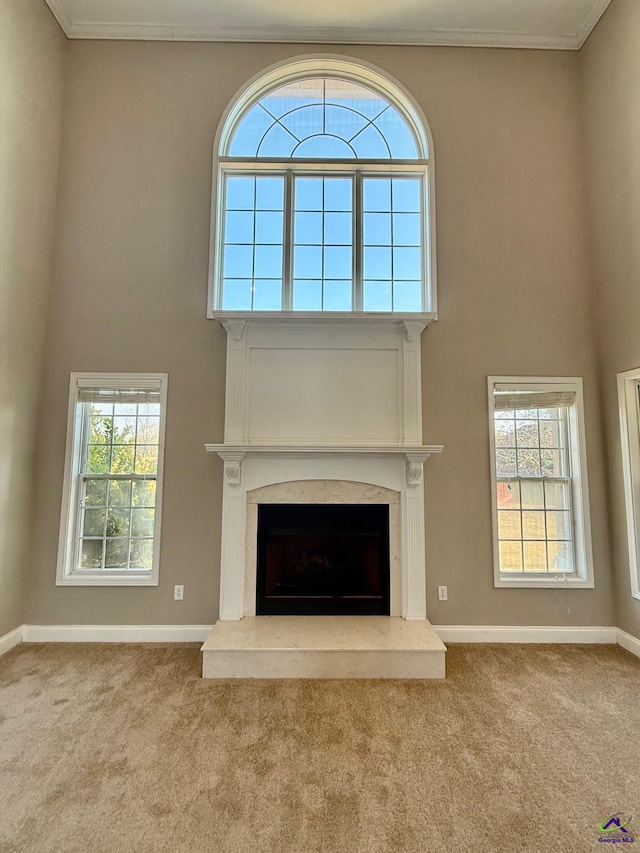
(320, 398)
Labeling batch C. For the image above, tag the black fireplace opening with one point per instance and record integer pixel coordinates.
(323, 559)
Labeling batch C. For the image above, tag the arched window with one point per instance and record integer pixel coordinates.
(323, 198)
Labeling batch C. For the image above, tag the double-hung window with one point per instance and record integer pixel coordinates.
(110, 532)
(629, 403)
(323, 199)
(539, 482)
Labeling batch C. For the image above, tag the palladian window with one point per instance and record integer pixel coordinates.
(323, 199)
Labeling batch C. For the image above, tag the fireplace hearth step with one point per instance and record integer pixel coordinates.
(323, 647)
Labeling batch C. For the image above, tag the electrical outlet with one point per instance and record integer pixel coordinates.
(443, 595)
(178, 592)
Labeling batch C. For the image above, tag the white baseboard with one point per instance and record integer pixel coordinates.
(629, 642)
(199, 633)
(525, 634)
(13, 638)
(116, 633)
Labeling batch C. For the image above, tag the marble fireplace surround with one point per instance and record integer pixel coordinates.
(323, 492)
(331, 475)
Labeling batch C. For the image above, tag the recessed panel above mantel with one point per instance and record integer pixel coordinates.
(546, 24)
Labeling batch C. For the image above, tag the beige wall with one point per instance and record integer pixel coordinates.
(610, 63)
(32, 51)
(131, 279)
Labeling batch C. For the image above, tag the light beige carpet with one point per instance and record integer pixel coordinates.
(125, 748)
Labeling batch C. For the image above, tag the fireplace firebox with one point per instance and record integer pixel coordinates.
(323, 559)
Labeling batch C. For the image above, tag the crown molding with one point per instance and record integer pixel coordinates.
(314, 35)
(60, 16)
(328, 35)
(599, 8)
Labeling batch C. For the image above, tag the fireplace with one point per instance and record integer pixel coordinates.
(323, 559)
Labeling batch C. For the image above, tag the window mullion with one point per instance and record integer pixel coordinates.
(357, 296)
(287, 280)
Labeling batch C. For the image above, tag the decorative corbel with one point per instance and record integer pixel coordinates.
(232, 467)
(235, 328)
(415, 463)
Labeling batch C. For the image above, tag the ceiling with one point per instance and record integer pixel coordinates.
(548, 24)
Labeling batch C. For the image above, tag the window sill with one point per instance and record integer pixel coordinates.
(554, 582)
(130, 579)
(424, 317)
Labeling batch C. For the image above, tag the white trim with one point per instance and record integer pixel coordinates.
(12, 639)
(583, 556)
(116, 633)
(199, 633)
(324, 35)
(526, 634)
(629, 642)
(61, 18)
(628, 405)
(599, 8)
(65, 576)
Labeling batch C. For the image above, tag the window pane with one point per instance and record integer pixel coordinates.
(142, 521)
(91, 554)
(98, 459)
(508, 495)
(529, 463)
(146, 459)
(506, 463)
(337, 229)
(269, 193)
(118, 522)
(122, 457)
(509, 525)
(532, 495)
(370, 144)
(144, 493)
(556, 495)
(308, 193)
(277, 142)
(93, 522)
(406, 229)
(406, 263)
(269, 227)
(308, 228)
(268, 262)
(307, 295)
(533, 525)
(240, 193)
(338, 194)
(337, 262)
(377, 296)
(407, 296)
(100, 428)
(558, 525)
(141, 553)
(406, 195)
(377, 229)
(377, 263)
(535, 556)
(307, 262)
(120, 493)
(337, 295)
(560, 556)
(396, 131)
(510, 557)
(377, 194)
(267, 295)
(95, 492)
(239, 226)
(236, 295)
(116, 554)
(238, 262)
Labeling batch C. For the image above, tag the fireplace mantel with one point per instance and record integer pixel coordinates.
(234, 454)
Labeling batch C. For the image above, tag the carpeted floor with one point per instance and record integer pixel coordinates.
(124, 748)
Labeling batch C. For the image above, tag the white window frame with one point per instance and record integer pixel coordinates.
(67, 574)
(583, 575)
(629, 407)
(355, 71)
